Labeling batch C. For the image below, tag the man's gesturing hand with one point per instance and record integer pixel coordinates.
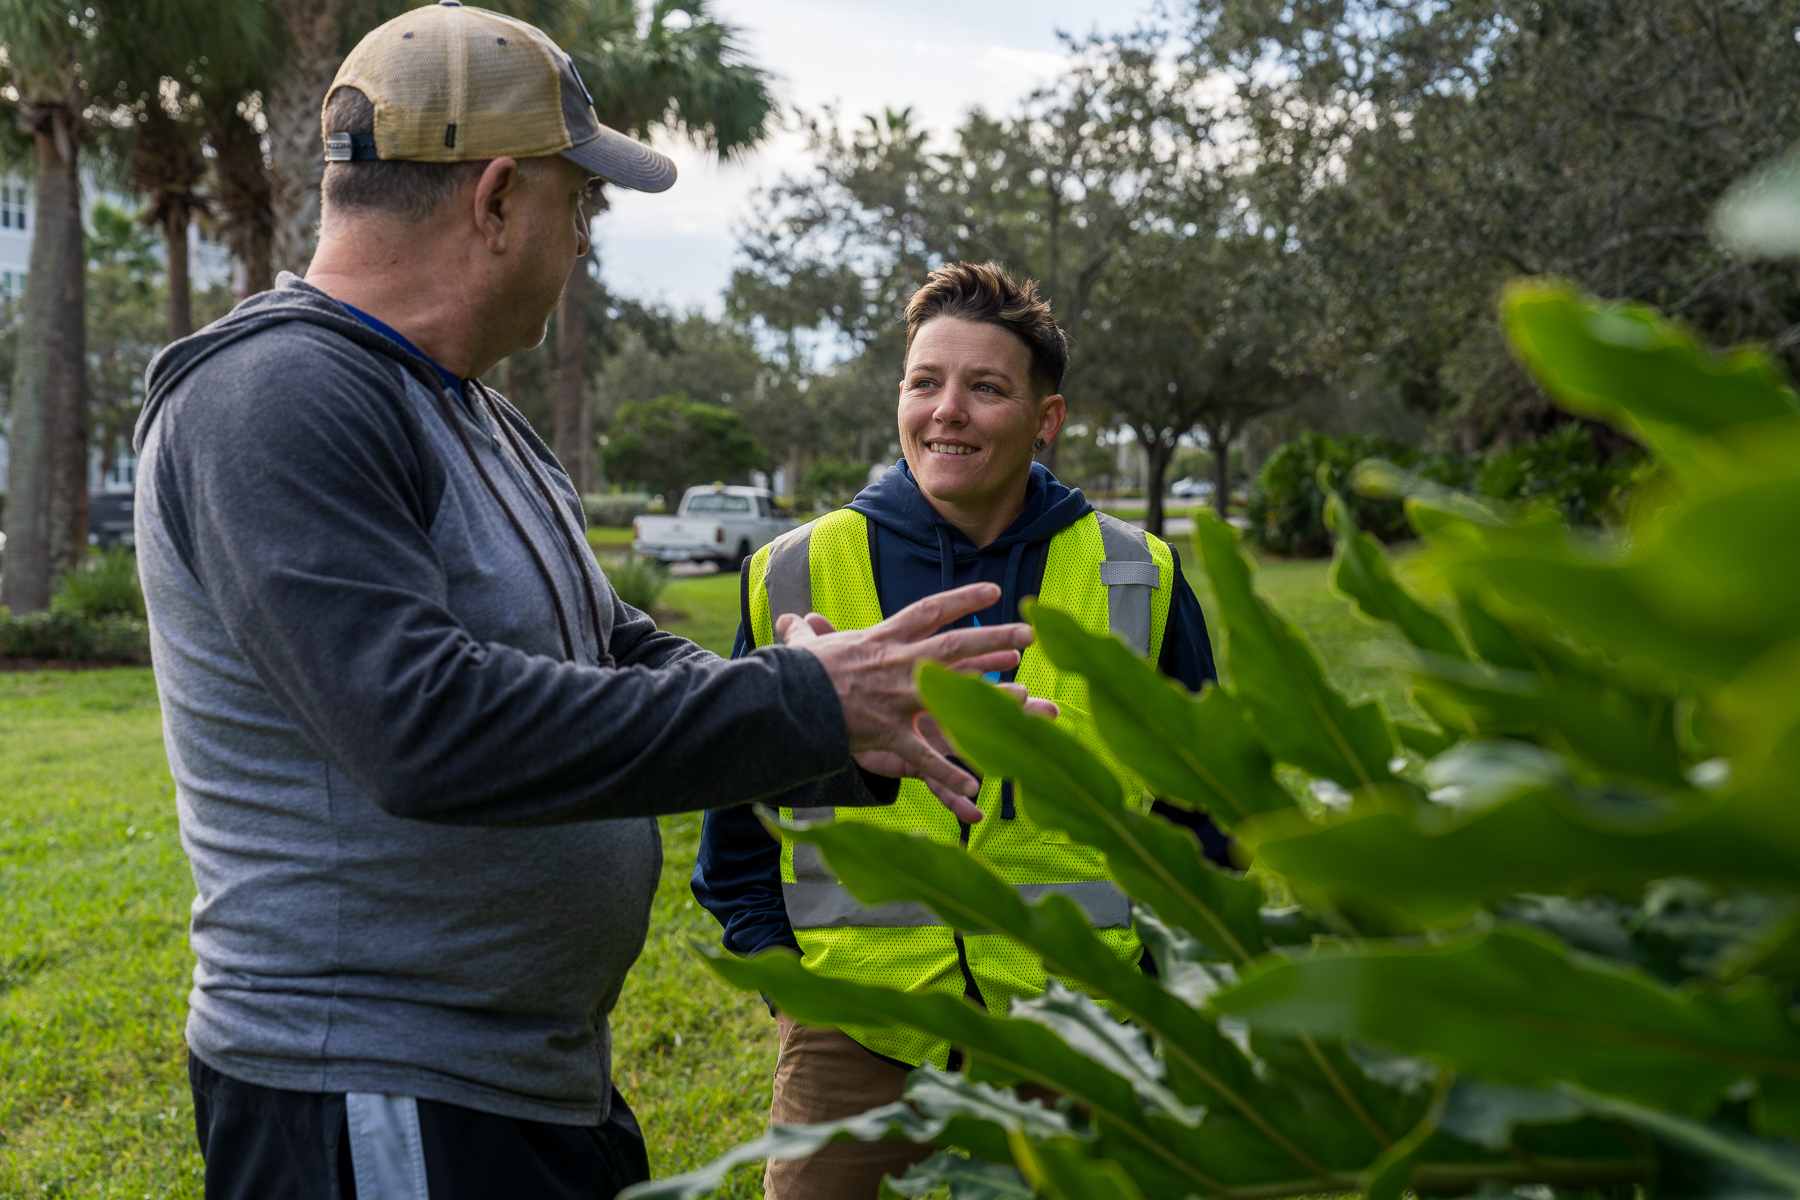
(872, 670)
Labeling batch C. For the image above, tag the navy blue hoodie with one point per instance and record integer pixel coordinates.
(917, 554)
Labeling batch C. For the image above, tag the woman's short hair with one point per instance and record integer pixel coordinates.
(985, 292)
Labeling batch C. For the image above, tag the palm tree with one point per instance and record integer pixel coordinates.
(680, 71)
(310, 32)
(48, 55)
(74, 68)
(167, 166)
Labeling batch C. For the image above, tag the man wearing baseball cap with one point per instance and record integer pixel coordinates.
(418, 742)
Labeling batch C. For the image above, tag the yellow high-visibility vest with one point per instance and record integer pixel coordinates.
(1111, 577)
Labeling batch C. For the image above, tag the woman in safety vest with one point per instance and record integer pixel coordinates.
(984, 368)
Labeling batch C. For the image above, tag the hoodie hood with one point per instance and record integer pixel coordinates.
(290, 300)
(895, 502)
(925, 554)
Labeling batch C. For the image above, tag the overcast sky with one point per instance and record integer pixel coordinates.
(939, 57)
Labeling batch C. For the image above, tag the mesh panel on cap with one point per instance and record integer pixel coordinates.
(436, 67)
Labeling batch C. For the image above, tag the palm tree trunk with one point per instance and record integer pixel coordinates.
(46, 510)
(296, 151)
(175, 241)
(243, 193)
(571, 376)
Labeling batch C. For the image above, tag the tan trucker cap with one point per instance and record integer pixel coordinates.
(457, 84)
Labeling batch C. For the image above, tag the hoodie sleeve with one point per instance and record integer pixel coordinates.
(1187, 656)
(303, 505)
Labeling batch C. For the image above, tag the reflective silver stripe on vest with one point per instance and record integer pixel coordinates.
(788, 578)
(1130, 575)
(809, 864)
(831, 906)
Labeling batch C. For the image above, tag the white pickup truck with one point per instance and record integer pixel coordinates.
(718, 524)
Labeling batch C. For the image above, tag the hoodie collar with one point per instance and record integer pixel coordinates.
(291, 299)
(895, 503)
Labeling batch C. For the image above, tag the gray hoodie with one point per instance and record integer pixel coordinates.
(418, 742)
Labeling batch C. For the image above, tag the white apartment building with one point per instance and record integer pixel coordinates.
(209, 264)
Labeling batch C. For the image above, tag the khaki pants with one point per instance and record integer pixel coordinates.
(822, 1075)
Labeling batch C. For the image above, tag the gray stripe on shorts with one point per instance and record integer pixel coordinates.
(387, 1152)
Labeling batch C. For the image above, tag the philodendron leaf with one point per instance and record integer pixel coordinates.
(1436, 864)
(1063, 1171)
(942, 1095)
(1020, 1049)
(790, 1141)
(882, 866)
(967, 1178)
(1122, 1049)
(1064, 787)
(1631, 367)
(1184, 965)
(1486, 1114)
(1277, 676)
(1361, 571)
(1514, 1007)
(1197, 750)
(1727, 1162)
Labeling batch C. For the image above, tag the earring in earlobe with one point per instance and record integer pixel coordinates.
(1039, 445)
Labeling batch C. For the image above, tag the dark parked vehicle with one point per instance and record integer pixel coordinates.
(109, 519)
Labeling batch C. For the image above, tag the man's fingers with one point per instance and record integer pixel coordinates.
(924, 762)
(795, 630)
(934, 612)
(962, 808)
(1038, 707)
(1000, 660)
(954, 645)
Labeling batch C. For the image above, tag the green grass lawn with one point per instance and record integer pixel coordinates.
(94, 964)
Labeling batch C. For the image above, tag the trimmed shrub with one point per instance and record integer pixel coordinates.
(61, 633)
(1564, 468)
(104, 584)
(1287, 509)
(639, 581)
(614, 510)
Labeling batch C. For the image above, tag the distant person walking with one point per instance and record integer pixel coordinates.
(982, 392)
(417, 740)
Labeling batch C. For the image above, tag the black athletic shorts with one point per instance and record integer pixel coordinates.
(268, 1144)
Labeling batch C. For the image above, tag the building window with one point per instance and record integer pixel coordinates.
(12, 206)
(12, 284)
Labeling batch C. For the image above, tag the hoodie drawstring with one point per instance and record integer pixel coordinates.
(946, 559)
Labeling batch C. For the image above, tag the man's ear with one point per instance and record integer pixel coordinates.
(492, 211)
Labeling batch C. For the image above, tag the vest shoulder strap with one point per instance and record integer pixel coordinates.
(1130, 574)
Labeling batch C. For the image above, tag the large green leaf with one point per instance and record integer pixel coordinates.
(1436, 863)
(790, 1141)
(1514, 1007)
(1065, 787)
(1064, 1171)
(967, 1178)
(1141, 1143)
(1629, 366)
(1362, 572)
(1276, 675)
(880, 866)
(1200, 751)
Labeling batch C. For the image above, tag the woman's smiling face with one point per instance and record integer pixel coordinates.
(969, 413)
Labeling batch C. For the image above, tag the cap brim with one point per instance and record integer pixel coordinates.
(624, 161)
